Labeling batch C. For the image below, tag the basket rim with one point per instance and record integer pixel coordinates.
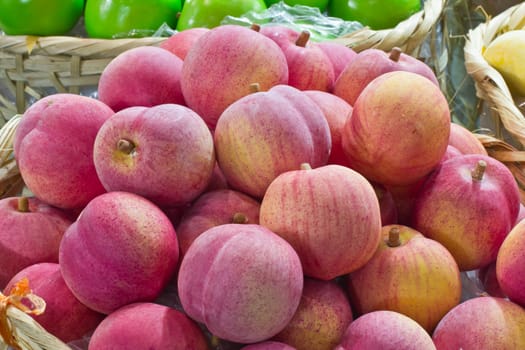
(489, 83)
(407, 35)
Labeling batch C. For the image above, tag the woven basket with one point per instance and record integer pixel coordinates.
(507, 141)
(409, 35)
(31, 67)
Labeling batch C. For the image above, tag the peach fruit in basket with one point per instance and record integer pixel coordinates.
(53, 146)
(371, 63)
(110, 256)
(469, 204)
(385, 330)
(308, 67)
(321, 319)
(266, 133)
(482, 323)
(268, 345)
(65, 316)
(30, 232)
(222, 64)
(242, 281)
(164, 153)
(142, 76)
(145, 325)
(396, 136)
(408, 273)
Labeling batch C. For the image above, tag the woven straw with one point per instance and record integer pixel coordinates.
(408, 35)
(31, 67)
(493, 91)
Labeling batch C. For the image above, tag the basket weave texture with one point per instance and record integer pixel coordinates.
(507, 142)
(31, 67)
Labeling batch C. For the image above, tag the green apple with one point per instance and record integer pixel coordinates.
(210, 13)
(376, 14)
(39, 17)
(110, 19)
(320, 4)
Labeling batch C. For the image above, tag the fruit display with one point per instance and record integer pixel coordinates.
(250, 187)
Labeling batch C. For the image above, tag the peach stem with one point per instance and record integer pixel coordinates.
(395, 54)
(306, 166)
(239, 218)
(255, 27)
(255, 87)
(303, 38)
(393, 237)
(125, 146)
(479, 170)
(23, 204)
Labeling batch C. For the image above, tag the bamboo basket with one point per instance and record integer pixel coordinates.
(31, 67)
(507, 141)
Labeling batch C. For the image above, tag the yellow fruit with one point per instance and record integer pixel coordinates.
(506, 54)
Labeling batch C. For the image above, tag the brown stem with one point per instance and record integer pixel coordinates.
(255, 27)
(393, 237)
(303, 38)
(23, 204)
(125, 146)
(479, 170)
(239, 218)
(395, 54)
(255, 87)
(306, 166)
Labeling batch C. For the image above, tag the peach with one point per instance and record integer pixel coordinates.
(336, 111)
(146, 325)
(53, 146)
(321, 319)
(482, 323)
(339, 54)
(242, 281)
(465, 141)
(179, 43)
(142, 76)
(220, 67)
(455, 207)
(121, 249)
(30, 233)
(385, 330)
(267, 133)
(164, 153)
(309, 68)
(409, 274)
(510, 264)
(330, 215)
(371, 63)
(212, 209)
(65, 316)
(396, 137)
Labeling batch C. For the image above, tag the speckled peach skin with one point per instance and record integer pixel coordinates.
(53, 147)
(121, 249)
(242, 281)
(142, 76)
(223, 63)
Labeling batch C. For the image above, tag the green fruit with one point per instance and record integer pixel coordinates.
(376, 14)
(320, 4)
(39, 17)
(210, 13)
(117, 18)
